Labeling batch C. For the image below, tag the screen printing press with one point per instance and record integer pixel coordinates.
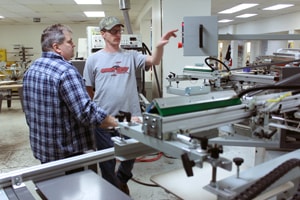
(193, 128)
(196, 125)
(230, 108)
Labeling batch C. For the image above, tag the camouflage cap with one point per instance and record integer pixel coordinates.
(108, 23)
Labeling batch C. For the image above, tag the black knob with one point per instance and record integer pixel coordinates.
(124, 115)
(204, 143)
(187, 164)
(238, 161)
(215, 151)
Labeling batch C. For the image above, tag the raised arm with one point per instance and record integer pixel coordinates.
(158, 52)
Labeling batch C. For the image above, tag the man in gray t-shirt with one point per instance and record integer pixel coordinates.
(113, 77)
(110, 79)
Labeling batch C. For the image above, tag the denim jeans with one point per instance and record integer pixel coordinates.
(123, 173)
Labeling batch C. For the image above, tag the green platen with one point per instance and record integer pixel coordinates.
(196, 107)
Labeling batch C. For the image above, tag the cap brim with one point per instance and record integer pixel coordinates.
(109, 28)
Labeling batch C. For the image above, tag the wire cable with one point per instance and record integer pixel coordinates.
(159, 155)
(277, 87)
(143, 159)
(215, 59)
(265, 64)
(264, 182)
(143, 183)
(155, 72)
(285, 81)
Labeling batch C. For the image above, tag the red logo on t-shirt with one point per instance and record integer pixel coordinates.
(115, 69)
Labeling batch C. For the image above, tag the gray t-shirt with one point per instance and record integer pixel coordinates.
(113, 75)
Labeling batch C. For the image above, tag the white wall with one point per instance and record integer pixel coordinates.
(173, 13)
(29, 36)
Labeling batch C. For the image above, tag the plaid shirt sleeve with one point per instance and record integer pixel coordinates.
(74, 94)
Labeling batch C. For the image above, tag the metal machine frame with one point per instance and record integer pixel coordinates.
(182, 135)
(22, 182)
(182, 127)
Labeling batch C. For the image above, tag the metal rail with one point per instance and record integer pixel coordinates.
(55, 168)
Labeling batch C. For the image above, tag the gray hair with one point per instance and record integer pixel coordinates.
(53, 34)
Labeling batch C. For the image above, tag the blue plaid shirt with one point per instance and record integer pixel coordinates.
(58, 110)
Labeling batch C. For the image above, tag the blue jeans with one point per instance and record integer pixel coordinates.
(123, 174)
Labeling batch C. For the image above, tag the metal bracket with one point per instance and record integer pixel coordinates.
(17, 181)
(131, 149)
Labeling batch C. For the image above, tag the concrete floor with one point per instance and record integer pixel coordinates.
(15, 153)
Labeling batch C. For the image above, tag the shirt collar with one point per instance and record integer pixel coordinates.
(51, 54)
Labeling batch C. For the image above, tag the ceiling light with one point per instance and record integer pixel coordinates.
(88, 2)
(1, 17)
(225, 20)
(237, 8)
(246, 15)
(94, 13)
(278, 6)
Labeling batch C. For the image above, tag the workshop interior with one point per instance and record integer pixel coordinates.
(218, 86)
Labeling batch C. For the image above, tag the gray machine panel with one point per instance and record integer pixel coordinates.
(200, 36)
(85, 185)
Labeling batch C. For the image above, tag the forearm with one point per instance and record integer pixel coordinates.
(90, 91)
(157, 55)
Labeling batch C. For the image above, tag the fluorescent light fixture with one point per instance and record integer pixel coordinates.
(278, 6)
(93, 2)
(237, 8)
(94, 13)
(225, 20)
(246, 15)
